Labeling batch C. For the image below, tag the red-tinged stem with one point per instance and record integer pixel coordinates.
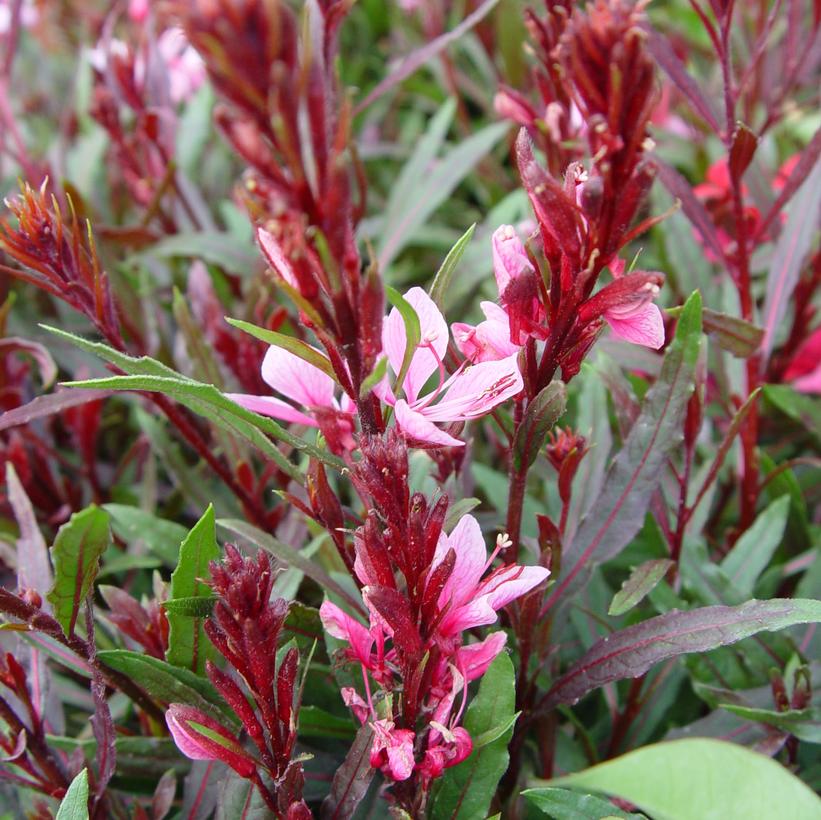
(749, 432)
(626, 717)
(683, 514)
(518, 483)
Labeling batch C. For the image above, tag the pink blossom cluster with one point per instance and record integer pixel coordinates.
(470, 596)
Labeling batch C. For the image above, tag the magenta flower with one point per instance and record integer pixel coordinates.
(488, 341)
(310, 389)
(392, 750)
(471, 392)
(473, 598)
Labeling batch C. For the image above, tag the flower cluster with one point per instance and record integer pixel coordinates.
(424, 589)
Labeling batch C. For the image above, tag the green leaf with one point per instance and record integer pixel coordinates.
(736, 336)
(563, 804)
(465, 791)
(161, 536)
(541, 414)
(805, 724)
(374, 377)
(751, 554)
(192, 607)
(288, 555)
(632, 651)
(413, 334)
(316, 722)
(167, 683)
(701, 779)
(441, 281)
(76, 556)
(188, 645)
(642, 581)
(146, 373)
(803, 409)
(293, 345)
(74, 806)
(617, 514)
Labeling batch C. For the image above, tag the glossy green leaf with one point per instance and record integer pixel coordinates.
(215, 247)
(188, 645)
(641, 582)
(441, 282)
(805, 724)
(76, 557)
(701, 779)
(564, 804)
(74, 805)
(166, 683)
(465, 791)
(192, 607)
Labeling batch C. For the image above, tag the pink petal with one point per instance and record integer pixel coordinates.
(489, 340)
(477, 390)
(434, 333)
(471, 556)
(301, 382)
(400, 754)
(475, 658)
(644, 327)
(477, 612)
(508, 583)
(811, 383)
(345, 628)
(509, 256)
(275, 257)
(269, 406)
(417, 428)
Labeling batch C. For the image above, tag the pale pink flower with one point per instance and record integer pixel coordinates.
(29, 15)
(470, 393)
(636, 318)
(186, 70)
(472, 597)
(510, 258)
(488, 341)
(360, 638)
(138, 10)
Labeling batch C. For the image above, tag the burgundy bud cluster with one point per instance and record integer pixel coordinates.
(59, 254)
(298, 189)
(145, 623)
(595, 70)
(245, 627)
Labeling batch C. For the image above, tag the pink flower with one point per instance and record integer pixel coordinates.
(626, 304)
(200, 737)
(310, 389)
(489, 341)
(138, 10)
(804, 370)
(186, 70)
(470, 393)
(471, 599)
(392, 750)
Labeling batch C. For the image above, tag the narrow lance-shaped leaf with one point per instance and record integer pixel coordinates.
(698, 778)
(48, 405)
(792, 246)
(642, 581)
(33, 567)
(76, 555)
(74, 806)
(541, 414)
(441, 282)
(632, 651)
(188, 645)
(618, 512)
(735, 335)
(352, 779)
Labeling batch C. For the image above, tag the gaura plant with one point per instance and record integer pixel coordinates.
(436, 433)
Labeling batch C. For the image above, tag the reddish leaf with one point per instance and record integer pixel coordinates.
(49, 405)
(352, 778)
(632, 651)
